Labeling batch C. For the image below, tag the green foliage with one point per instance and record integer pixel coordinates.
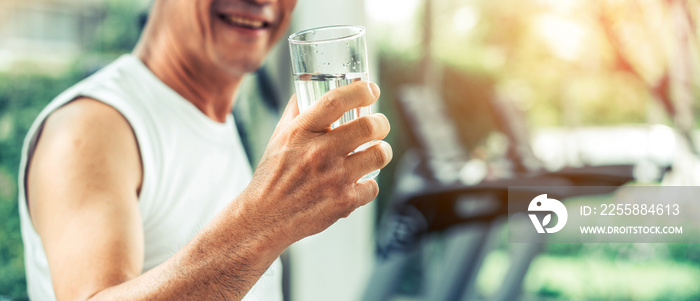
(564, 249)
(120, 29)
(588, 276)
(591, 277)
(689, 253)
(22, 96)
(12, 280)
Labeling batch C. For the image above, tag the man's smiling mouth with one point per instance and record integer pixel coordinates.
(244, 22)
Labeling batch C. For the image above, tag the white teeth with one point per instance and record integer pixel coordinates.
(237, 20)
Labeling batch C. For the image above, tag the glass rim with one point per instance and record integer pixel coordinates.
(360, 30)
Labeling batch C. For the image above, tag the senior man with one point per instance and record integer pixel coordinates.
(134, 183)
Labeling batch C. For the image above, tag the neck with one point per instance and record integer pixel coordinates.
(210, 89)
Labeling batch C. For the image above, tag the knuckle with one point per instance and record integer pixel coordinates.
(367, 126)
(348, 198)
(331, 101)
(315, 155)
(367, 191)
(295, 132)
(321, 162)
(345, 206)
(379, 157)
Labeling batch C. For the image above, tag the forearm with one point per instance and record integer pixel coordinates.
(222, 262)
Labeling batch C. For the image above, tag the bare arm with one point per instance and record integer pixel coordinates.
(83, 186)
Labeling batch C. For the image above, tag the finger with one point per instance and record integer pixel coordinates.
(361, 194)
(374, 157)
(290, 112)
(359, 131)
(336, 102)
(366, 191)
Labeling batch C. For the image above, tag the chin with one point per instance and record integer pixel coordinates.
(240, 66)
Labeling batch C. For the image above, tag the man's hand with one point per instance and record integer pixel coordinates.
(306, 180)
(89, 221)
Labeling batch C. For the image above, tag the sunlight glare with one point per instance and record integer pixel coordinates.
(562, 5)
(391, 11)
(464, 19)
(564, 37)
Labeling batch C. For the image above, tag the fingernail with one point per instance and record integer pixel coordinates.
(374, 89)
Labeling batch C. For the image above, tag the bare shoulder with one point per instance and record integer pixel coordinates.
(86, 147)
(87, 115)
(82, 190)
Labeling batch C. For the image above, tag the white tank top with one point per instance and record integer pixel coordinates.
(192, 167)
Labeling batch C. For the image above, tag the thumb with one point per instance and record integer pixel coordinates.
(290, 112)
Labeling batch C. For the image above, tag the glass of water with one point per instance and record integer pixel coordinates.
(326, 58)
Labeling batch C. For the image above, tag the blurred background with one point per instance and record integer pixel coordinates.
(477, 92)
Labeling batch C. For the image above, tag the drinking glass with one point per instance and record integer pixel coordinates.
(326, 58)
